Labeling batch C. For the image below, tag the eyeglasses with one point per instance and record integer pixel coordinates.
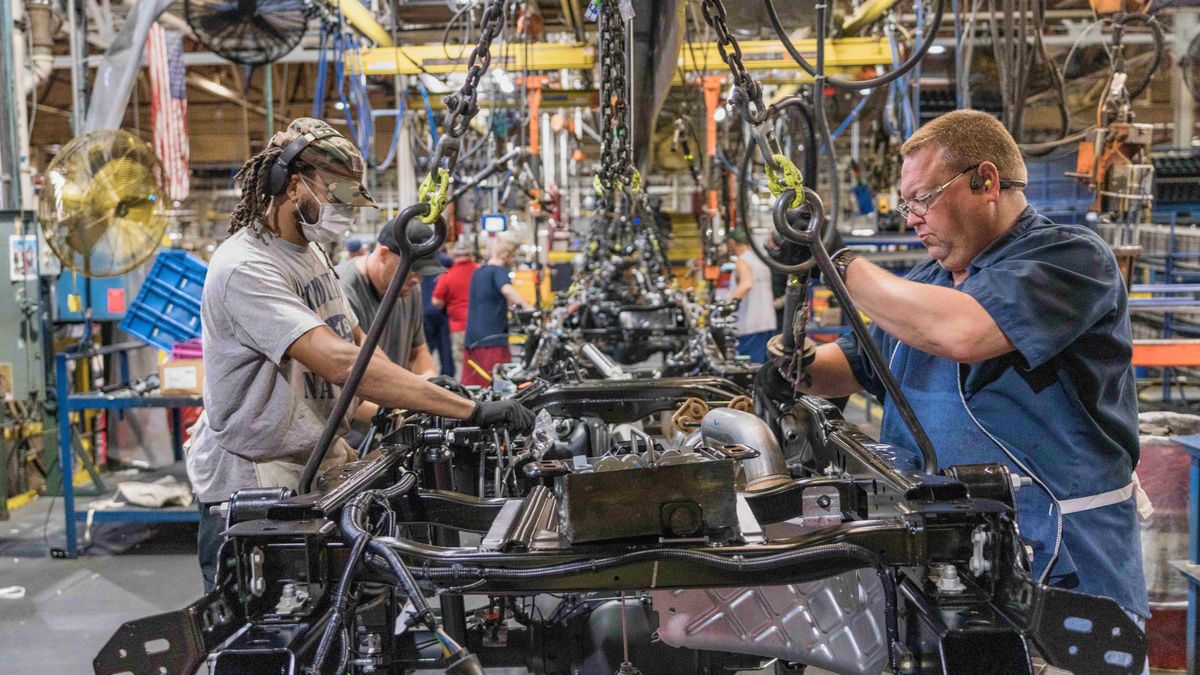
(919, 206)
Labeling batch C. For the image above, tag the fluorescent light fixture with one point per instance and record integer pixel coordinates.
(937, 49)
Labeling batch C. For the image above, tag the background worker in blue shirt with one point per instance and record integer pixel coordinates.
(1013, 345)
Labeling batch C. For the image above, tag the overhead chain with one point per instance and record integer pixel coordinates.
(461, 108)
(616, 169)
(747, 98)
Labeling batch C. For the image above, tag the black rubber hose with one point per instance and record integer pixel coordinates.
(855, 85)
(818, 104)
(354, 524)
(403, 485)
(1156, 32)
(407, 583)
(343, 663)
(825, 553)
(340, 595)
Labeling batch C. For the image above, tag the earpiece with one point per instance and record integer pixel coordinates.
(281, 170)
(987, 183)
(977, 181)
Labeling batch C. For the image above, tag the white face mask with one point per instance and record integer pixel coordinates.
(334, 221)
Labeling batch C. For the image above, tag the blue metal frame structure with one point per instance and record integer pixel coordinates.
(118, 400)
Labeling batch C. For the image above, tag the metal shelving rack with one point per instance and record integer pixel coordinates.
(116, 400)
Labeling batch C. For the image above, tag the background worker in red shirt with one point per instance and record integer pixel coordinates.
(452, 295)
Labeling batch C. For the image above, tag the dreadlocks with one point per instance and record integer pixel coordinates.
(251, 209)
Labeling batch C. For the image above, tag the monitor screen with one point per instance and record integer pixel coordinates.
(495, 222)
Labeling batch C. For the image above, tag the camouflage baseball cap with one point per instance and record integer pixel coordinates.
(334, 156)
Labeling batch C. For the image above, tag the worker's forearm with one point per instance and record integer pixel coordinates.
(365, 411)
(391, 386)
(384, 382)
(933, 319)
(513, 297)
(830, 374)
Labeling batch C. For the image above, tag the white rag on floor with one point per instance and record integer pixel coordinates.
(166, 491)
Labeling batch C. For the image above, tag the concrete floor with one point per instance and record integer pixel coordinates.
(71, 607)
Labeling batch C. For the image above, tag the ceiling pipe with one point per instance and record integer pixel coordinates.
(41, 22)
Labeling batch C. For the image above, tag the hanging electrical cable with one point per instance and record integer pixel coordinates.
(896, 73)
(898, 89)
(391, 156)
(433, 134)
(1117, 60)
(319, 87)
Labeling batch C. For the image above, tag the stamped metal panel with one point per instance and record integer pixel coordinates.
(835, 623)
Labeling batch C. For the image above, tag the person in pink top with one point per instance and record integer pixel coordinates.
(452, 295)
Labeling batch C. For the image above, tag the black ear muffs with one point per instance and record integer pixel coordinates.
(281, 169)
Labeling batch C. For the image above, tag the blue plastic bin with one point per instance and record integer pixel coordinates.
(1061, 198)
(167, 308)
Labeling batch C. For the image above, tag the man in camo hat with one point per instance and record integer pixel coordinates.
(280, 337)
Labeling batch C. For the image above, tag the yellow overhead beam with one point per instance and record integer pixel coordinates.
(551, 98)
(362, 20)
(867, 13)
(770, 54)
(440, 60)
(756, 54)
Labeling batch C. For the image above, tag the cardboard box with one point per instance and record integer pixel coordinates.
(829, 316)
(181, 376)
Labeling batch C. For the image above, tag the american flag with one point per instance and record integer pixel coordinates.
(168, 108)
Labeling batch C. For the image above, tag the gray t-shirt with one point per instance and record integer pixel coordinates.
(404, 331)
(259, 404)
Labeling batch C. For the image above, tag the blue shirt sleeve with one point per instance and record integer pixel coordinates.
(860, 364)
(499, 278)
(1048, 291)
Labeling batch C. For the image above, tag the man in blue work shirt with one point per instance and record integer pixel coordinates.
(1013, 345)
(491, 294)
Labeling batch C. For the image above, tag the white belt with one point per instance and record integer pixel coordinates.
(1096, 501)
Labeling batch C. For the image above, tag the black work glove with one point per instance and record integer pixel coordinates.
(450, 384)
(508, 413)
(770, 385)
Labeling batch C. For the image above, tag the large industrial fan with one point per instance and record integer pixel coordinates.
(249, 32)
(101, 207)
(1190, 63)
